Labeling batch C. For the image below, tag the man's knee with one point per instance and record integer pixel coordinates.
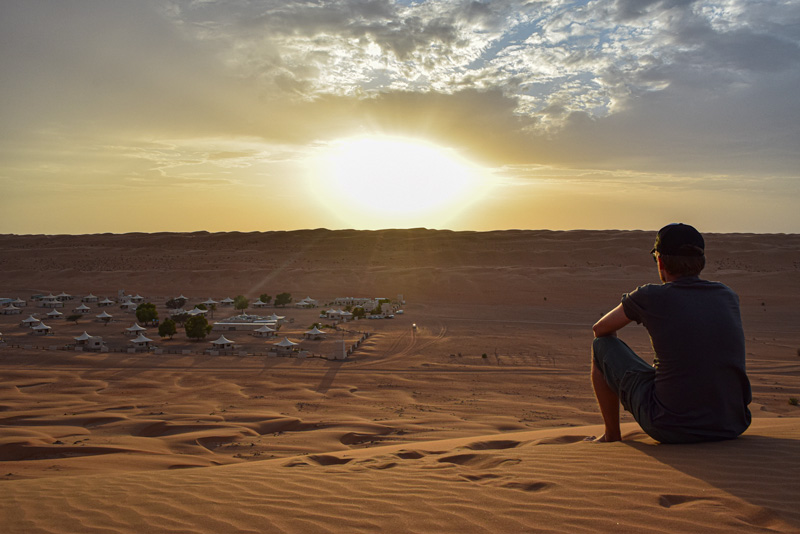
(601, 346)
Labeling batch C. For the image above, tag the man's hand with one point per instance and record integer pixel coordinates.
(611, 322)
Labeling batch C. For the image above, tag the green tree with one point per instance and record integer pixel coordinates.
(146, 312)
(265, 298)
(181, 318)
(167, 328)
(240, 302)
(174, 304)
(74, 318)
(378, 310)
(282, 299)
(196, 327)
(358, 311)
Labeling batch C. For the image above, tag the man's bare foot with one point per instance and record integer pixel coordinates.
(605, 438)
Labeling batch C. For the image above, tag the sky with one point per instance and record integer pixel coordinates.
(257, 115)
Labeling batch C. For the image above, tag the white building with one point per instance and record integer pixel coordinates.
(129, 306)
(307, 302)
(135, 330)
(41, 329)
(30, 321)
(222, 343)
(285, 346)
(50, 301)
(264, 331)
(244, 322)
(89, 342)
(141, 343)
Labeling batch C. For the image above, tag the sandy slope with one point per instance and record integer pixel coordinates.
(535, 481)
(470, 423)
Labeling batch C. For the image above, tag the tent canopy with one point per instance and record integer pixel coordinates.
(285, 343)
(141, 339)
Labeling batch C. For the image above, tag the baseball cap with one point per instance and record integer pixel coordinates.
(678, 239)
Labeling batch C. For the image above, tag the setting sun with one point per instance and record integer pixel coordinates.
(395, 181)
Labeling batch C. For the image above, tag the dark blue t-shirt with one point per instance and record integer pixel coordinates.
(696, 330)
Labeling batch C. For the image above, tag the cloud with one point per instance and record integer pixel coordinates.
(647, 85)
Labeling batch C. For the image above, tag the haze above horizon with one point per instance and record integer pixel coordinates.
(258, 115)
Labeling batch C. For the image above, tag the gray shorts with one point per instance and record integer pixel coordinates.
(633, 379)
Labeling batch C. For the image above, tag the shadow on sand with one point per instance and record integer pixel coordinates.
(760, 470)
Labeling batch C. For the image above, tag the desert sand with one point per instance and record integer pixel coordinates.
(471, 422)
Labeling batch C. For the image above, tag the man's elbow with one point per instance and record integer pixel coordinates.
(600, 330)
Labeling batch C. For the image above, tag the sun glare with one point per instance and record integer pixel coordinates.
(389, 181)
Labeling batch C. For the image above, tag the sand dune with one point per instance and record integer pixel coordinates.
(472, 422)
(535, 481)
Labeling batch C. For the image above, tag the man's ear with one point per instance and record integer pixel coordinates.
(661, 264)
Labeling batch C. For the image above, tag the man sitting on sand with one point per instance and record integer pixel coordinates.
(697, 388)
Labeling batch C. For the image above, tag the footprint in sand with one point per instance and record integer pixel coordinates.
(493, 445)
(668, 501)
(483, 461)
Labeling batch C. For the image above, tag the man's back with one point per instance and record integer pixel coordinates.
(700, 385)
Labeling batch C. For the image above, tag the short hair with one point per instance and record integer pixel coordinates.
(683, 265)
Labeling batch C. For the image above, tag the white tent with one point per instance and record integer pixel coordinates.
(135, 329)
(11, 310)
(83, 338)
(278, 318)
(106, 302)
(307, 302)
(41, 329)
(315, 333)
(83, 308)
(285, 346)
(104, 316)
(54, 314)
(19, 302)
(222, 343)
(264, 331)
(90, 298)
(141, 342)
(30, 321)
(210, 301)
(227, 301)
(197, 311)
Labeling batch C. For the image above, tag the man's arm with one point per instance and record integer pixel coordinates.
(611, 322)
